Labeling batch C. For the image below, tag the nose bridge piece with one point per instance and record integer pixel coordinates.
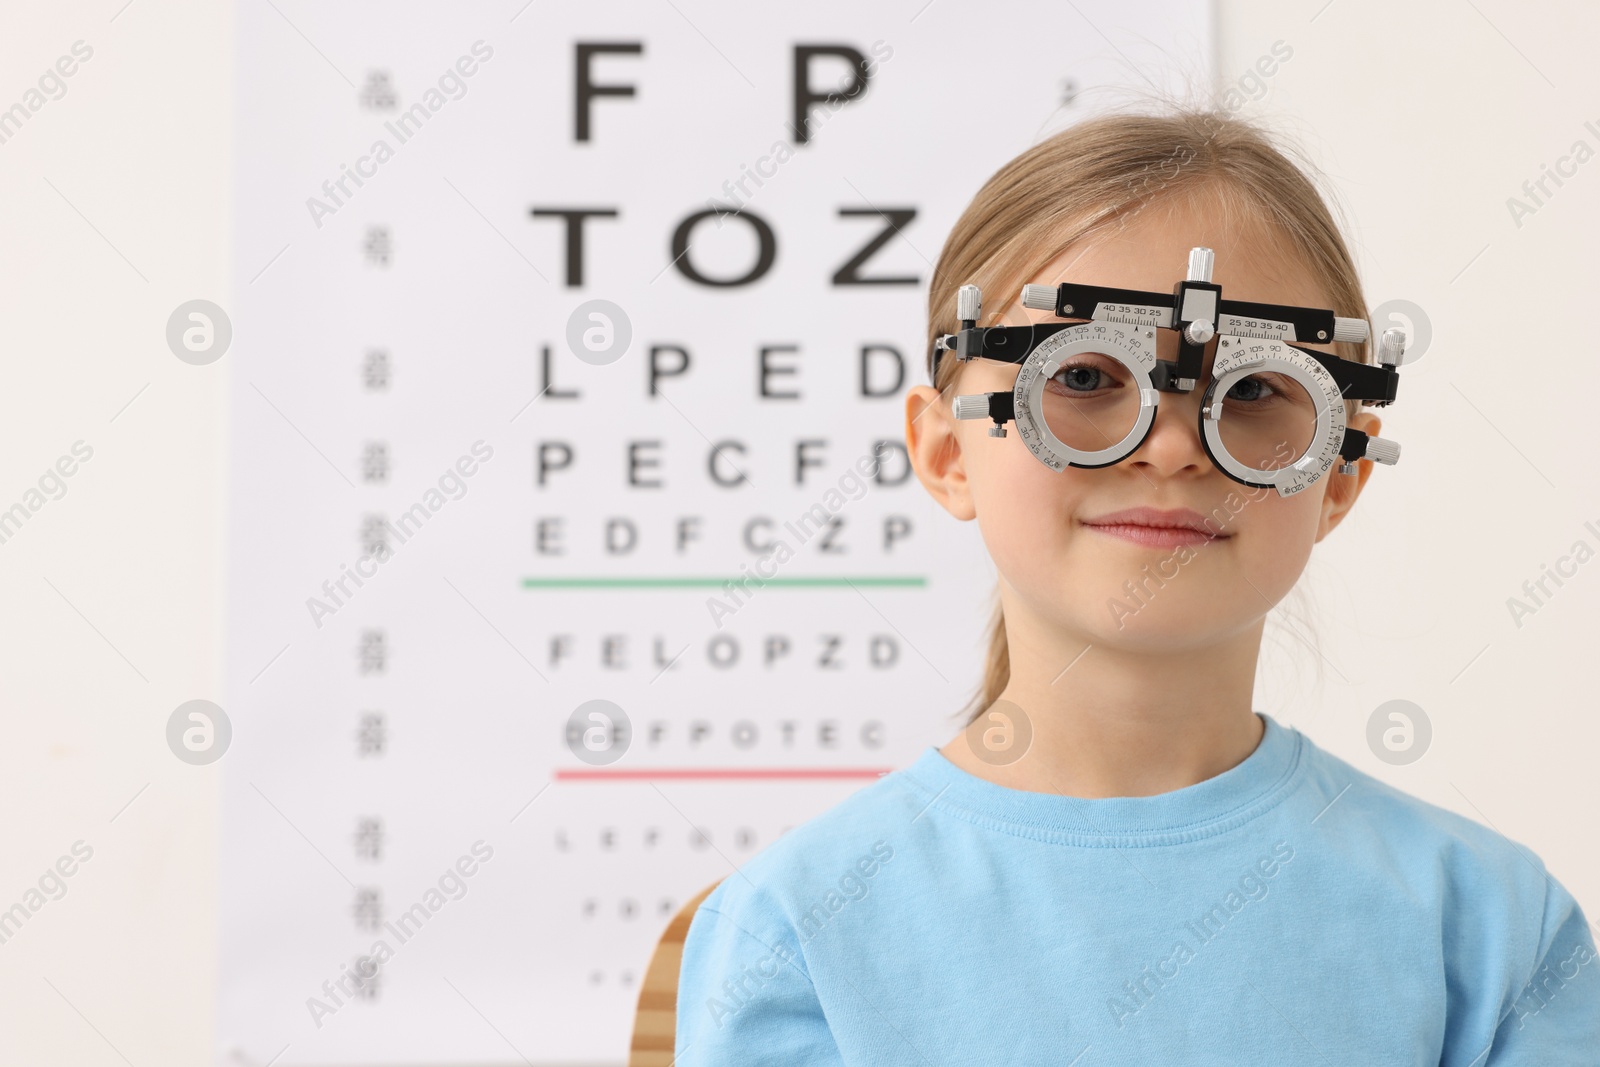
(1176, 413)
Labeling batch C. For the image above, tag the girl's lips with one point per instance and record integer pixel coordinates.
(1155, 536)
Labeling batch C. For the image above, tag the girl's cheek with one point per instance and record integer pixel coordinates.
(1023, 506)
(1280, 534)
(1010, 477)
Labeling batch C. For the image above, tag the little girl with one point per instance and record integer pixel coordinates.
(1156, 873)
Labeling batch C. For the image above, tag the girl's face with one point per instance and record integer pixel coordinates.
(1087, 581)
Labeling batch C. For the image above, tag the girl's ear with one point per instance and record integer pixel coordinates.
(935, 451)
(1342, 489)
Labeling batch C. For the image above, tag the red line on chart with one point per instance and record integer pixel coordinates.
(717, 773)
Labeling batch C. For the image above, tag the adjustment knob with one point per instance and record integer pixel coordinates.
(1039, 297)
(1199, 331)
(971, 406)
(1381, 450)
(969, 300)
(1201, 260)
(1353, 330)
(1392, 347)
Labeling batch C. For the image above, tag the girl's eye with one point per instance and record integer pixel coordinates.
(1082, 378)
(1253, 389)
(1079, 379)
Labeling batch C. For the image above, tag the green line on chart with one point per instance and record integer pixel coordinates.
(915, 582)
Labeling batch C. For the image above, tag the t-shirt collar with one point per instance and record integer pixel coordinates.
(1213, 806)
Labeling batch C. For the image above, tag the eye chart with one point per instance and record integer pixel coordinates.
(569, 355)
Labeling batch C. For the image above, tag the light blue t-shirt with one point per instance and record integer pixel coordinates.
(1291, 910)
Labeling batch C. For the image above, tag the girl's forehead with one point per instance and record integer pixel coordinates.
(1149, 250)
(1249, 267)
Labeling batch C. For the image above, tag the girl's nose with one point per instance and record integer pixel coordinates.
(1173, 444)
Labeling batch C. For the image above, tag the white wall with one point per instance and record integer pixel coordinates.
(113, 210)
(1428, 116)
(112, 593)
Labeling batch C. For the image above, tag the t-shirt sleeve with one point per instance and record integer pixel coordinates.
(744, 996)
(1554, 1018)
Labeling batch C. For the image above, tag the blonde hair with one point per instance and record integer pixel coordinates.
(1095, 175)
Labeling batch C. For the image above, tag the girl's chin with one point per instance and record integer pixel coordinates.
(1189, 610)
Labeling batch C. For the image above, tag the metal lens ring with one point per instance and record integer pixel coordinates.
(1065, 427)
(1287, 427)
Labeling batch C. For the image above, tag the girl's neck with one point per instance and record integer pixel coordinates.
(1122, 722)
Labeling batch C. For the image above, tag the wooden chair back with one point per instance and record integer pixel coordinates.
(655, 1020)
